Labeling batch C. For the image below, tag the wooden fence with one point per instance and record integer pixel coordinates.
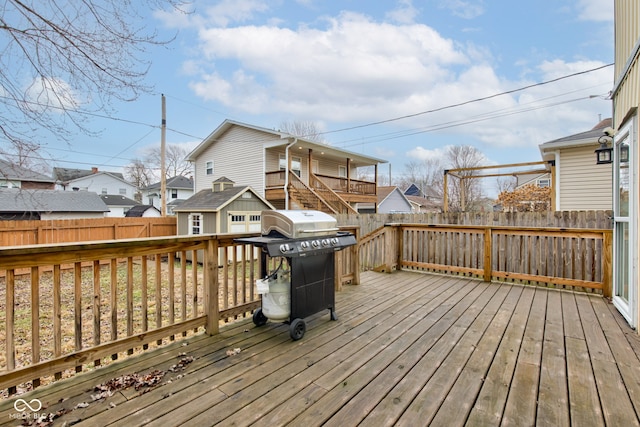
(560, 257)
(69, 307)
(17, 233)
(565, 219)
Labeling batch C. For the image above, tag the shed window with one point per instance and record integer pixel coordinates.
(195, 223)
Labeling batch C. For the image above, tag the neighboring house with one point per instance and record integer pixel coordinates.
(427, 201)
(391, 200)
(413, 190)
(221, 208)
(626, 189)
(289, 172)
(579, 183)
(93, 180)
(146, 211)
(18, 204)
(14, 176)
(424, 204)
(178, 189)
(118, 205)
(541, 180)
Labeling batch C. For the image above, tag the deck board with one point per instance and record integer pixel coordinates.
(407, 349)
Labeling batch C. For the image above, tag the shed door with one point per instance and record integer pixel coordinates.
(243, 222)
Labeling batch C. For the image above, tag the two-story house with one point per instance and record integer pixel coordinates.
(289, 172)
(99, 182)
(178, 189)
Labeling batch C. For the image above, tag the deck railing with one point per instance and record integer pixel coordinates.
(562, 257)
(69, 307)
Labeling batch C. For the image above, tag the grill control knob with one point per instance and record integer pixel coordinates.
(315, 244)
(334, 241)
(304, 245)
(284, 248)
(325, 242)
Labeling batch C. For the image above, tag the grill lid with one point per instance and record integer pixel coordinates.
(293, 224)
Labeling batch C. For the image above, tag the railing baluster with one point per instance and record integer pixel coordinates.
(77, 295)
(97, 297)
(35, 320)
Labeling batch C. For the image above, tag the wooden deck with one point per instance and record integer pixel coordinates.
(408, 349)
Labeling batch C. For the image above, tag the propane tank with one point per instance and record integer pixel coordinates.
(276, 303)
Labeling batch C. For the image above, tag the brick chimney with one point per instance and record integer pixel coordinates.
(94, 170)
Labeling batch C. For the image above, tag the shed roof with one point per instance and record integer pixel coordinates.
(212, 201)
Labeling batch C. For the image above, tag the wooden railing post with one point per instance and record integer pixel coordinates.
(399, 247)
(488, 260)
(211, 307)
(607, 264)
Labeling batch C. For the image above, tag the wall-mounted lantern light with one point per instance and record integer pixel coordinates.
(604, 153)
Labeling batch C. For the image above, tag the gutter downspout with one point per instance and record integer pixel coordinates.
(286, 173)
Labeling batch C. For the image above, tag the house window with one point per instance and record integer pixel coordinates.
(195, 223)
(122, 191)
(296, 164)
(104, 191)
(174, 193)
(342, 171)
(543, 183)
(209, 168)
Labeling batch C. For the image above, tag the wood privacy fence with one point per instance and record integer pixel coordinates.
(69, 307)
(32, 232)
(562, 257)
(564, 219)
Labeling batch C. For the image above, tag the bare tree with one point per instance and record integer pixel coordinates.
(464, 191)
(175, 162)
(64, 60)
(303, 129)
(139, 174)
(425, 174)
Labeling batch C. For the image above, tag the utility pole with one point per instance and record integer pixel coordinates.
(163, 176)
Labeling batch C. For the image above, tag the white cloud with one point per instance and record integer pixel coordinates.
(405, 13)
(466, 9)
(421, 153)
(595, 10)
(51, 92)
(353, 69)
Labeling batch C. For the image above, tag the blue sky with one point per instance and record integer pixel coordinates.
(350, 63)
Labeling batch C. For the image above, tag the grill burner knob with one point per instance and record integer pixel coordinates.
(325, 242)
(284, 248)
(334, 241)
(315, 244)
(304, 245)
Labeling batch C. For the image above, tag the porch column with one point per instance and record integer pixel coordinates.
(348, 175)
(375, 180)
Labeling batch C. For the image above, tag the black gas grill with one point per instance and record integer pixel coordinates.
(304, 281)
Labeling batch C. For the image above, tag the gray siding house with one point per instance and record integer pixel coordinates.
(289, 172)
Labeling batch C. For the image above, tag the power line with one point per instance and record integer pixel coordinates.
(460, 104)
